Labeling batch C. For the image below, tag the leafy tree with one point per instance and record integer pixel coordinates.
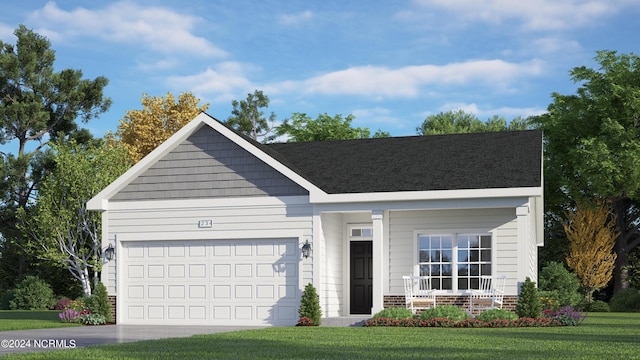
(62, 230)
(32, 293)
(301, 128)
(141, 131)
(36, 103)
(592, 237)
(592, 148)
(458, 122)
(562, 283)
(247, 118)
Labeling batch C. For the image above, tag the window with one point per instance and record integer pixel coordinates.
(454, 261)
(361, 231)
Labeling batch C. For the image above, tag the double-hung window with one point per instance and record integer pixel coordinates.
(454, 262)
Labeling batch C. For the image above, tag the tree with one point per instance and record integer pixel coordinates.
(310, 305)
(141, 131)
(458, 122)
(592, 236)
(62, 230)
(247, 118)
(592, 148)
(529, 305)
(36, 103)
(301, 128)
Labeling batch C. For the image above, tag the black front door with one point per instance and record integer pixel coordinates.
(361, 277)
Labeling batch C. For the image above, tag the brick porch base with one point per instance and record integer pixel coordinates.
(112, 300)
(462, 301)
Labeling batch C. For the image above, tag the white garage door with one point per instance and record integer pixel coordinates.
(235, 282)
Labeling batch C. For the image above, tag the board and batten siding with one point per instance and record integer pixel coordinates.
(332, 266)
(208, 165)
(248, 218)
(403, 224)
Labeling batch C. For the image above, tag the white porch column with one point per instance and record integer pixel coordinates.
(522, 220)
(377, 217)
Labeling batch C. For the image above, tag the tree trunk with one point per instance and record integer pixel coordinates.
(620, 278)
(86, 282)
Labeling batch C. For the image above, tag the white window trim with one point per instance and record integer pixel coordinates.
(454, 234)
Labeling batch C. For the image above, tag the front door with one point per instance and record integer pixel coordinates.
(361, 277)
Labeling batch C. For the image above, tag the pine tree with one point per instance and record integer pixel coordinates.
(310, 305)
(529, 305)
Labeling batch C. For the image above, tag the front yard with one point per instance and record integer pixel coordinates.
(27, 319)
(600, 336)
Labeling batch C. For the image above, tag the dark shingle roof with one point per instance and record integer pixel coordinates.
(417, 163)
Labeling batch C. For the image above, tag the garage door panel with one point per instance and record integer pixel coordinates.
(244, 282)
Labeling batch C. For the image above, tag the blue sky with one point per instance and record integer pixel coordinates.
(389, 63)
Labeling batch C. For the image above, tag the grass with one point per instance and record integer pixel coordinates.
(601, 336)
(27, 319)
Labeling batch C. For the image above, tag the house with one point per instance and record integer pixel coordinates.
(209, 227)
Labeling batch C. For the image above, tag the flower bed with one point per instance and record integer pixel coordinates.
(467, 323)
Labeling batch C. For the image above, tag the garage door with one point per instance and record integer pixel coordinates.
(235, 282)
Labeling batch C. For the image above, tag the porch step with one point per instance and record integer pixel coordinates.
(345, 321)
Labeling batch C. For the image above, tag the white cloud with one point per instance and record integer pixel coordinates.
(533, 14)
(227, 81)
(376, 117)
(554, 45)
(484, 113)
(407, 82)
(295, 19)
(6, 33)
(159, 29)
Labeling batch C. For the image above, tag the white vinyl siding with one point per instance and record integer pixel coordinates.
(403, 225)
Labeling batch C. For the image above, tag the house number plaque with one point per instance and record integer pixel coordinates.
(205, 223)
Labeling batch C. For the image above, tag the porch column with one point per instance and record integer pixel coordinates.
(377, 216)
(524, 243)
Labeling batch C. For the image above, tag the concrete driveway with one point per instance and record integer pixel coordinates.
(76, 337)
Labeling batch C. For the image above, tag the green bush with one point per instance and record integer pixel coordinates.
(32, 294)
(497, 314)
(394, 313)
(5, 299)
(99, 302)
(625, 301)
(597, 306)
(310, 304)
(564, 285)
(93, 319)
(529, 305)
(450, 312)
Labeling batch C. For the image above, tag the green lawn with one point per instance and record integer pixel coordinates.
(25, 319)
(601, 336)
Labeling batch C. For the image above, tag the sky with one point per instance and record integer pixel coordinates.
(389, 63)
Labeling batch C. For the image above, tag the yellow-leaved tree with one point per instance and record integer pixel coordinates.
(141, 131)
(592, 235)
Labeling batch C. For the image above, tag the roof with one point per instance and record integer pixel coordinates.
(417, 163)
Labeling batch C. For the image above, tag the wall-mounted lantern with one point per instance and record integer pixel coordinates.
(109, 252)
(306, 249)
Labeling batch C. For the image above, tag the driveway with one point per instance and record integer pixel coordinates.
(75, 337)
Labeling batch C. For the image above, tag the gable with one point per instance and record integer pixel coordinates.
(208, 165)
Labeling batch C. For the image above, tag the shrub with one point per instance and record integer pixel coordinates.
(305, 321)
(562, 283)
(625, 301)
(529, 305)
(597, 306)
(497, 314)
(394, 313)
(71, 315)
(62, 303)
(32, 294)
(6, 299)
(567, 316)
(93, 319)
(310, 304)
(450, 312)
(100, 303)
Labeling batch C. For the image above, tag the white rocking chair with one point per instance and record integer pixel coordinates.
(490, 295)
(418, 293)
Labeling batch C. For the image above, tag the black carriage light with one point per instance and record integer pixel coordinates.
(306, 249)
(109, 252)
